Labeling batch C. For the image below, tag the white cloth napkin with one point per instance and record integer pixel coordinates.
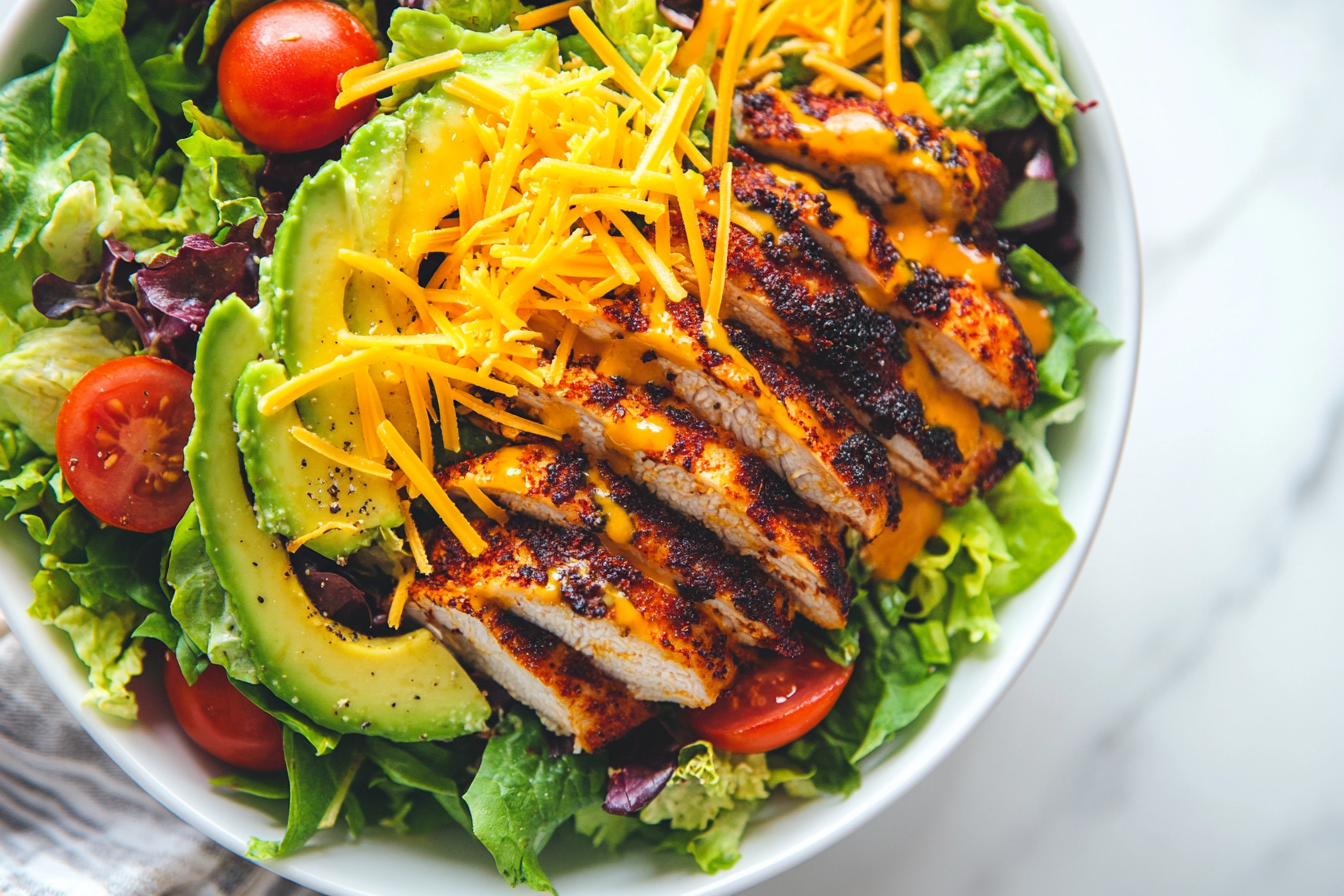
(72, 824)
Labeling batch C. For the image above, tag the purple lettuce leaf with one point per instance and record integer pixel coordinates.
(640, 765)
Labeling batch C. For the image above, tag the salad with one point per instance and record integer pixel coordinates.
(611, 413)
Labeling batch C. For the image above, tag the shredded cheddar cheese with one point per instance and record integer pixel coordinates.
(377, 82)
(416, 542)
(545, 15)
(310, 439)
(570, 185)
(424, 480)
(399, 596)
(323, 529)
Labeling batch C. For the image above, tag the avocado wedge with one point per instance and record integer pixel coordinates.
(405, 688)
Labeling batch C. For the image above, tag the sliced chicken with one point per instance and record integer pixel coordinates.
(569, 693)
(658, 644)
(562, 485)
(947, 172)
(737, 382)
(789, 293)
(969, 334)
(704, 473)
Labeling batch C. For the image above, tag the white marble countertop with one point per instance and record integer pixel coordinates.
(1175, 733)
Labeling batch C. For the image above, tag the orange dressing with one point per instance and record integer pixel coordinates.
(932, 244)
(1035, 321)
(943, 405)
(857, 137)
(891, 551)
(908, 98)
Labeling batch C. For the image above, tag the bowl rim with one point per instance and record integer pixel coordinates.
(53, 659)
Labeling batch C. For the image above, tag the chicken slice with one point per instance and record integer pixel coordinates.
(702, 472)
(658, 644)
(562, 485)
(790, 294)
(948, 173)
(739, 383)
(967, 331)
(570, 694)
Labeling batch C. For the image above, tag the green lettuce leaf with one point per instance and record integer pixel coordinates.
(474, 15)
(41, 370)
(604, 829)
(439, 770)
(521, 795)
(37, 484)
(1035, 532)
(1034, 56)
(99, 613)
(636, 28)
(318, 786)
(937, 27)
(96, 88)
(200, 605)
(1073, 316)
(177, 76)
(231, 172)
(976, 88)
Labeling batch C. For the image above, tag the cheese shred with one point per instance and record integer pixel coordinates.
(720, 272)
(416, 542)
(424, 480)
(397, 74)
(323, 529)
(313, 441)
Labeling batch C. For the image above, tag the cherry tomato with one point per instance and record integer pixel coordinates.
(222, 721)
(772, 704)
(119, 439)
(280, 71)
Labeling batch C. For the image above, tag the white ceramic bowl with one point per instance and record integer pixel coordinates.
(158, 756)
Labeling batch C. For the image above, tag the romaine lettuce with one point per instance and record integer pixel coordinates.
(41, 370)
(636, 28)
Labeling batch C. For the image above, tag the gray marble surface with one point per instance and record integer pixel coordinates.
(1176, 733)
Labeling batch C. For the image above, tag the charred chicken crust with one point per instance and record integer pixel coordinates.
(823, 453)
(564, 486)
(969, 334)
(570, 694)
(967, 182)
(703, 472)
(565, 581)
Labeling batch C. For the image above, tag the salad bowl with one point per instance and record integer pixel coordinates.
(157, 755)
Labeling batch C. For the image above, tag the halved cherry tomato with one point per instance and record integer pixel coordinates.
(280, 71)
(772, 704)
(222, 721)
(119, 440)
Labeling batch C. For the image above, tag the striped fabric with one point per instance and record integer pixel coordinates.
(72, 824)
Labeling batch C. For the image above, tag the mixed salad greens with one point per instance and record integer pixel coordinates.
(132, 208)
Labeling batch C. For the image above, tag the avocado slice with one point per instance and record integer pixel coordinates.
(308, 283)
(297, 490)
(405, 688)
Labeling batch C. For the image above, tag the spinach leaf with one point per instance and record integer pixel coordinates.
(318, 786)
(976, 88)
(1033, 54)
(319, 738)
(267, 786)
(521, 794)
(439, 770)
